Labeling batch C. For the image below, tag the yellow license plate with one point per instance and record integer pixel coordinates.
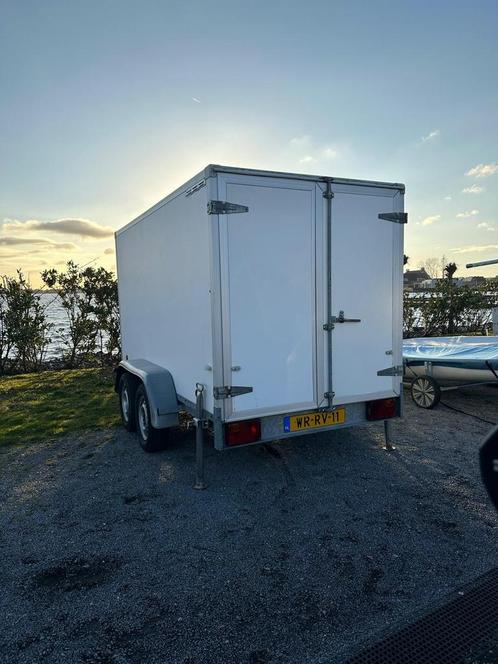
(314, 420)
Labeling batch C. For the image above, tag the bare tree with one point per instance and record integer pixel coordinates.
(432, 267)
(442, 266)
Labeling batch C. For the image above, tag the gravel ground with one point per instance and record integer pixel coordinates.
(298, 552)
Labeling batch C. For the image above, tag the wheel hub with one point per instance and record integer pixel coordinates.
(423, 392)
(143, 420)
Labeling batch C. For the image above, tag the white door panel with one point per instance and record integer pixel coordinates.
(268, 295)
(362, 287)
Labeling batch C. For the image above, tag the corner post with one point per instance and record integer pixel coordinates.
(200, 484)
(329, 326)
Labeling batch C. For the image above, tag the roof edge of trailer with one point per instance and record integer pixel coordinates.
(202, 175)
(217, 168)
(211, 169)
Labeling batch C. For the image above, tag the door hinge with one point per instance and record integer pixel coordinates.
(229, 391)
(391, 371)
(224, 207)
(395, 217)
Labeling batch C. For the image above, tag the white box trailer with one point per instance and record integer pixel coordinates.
(273, 300)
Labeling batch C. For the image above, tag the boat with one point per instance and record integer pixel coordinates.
(434, 364)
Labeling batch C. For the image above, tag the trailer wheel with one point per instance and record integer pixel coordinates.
(126, 390)
(150, 439)
(425, 392)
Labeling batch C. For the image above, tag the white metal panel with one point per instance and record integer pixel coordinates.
(164, 290)
(366, 285)
(268, 293)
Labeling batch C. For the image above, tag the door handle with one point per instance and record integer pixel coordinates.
(341, 319)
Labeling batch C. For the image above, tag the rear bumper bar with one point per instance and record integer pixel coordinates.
(272, 427)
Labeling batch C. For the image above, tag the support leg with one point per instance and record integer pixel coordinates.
(199, 439)
(387, 435)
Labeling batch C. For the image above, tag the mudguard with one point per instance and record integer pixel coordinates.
(160, 388)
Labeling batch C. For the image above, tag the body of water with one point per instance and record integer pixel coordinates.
(57, 318)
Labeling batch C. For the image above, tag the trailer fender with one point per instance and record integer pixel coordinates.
(160, 388)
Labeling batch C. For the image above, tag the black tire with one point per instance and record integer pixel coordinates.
(425, 392)
(150, 439)
(127, 388)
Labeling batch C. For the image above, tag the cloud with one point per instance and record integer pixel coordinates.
(473, 189)
(433, 134)
(81, 227)
(300, 142)
(11, 241)
(197, 101)
(311, 152)
(329, 153)
(18, 252)
(482, 170)
(475, 248)
(8, 255)
(308, 159)
(485, 226)
(466, 215)
(430, 220)
(108, 251)
(447, 198)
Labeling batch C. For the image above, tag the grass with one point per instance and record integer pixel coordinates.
(41, 406)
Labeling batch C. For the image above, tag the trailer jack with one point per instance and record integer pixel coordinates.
(387, 436)
(200, 425)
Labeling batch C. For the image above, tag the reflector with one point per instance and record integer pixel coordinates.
(239, 433)
(382, 409)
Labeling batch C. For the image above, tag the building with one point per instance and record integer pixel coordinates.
(428, 284)
(470, 281)
(413, 278)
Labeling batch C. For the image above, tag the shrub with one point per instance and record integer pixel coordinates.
(23, 326)
(89, 297)
(101, 288)
(449, 309)
(80, 336)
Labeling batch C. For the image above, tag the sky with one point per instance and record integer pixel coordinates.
(106, 107)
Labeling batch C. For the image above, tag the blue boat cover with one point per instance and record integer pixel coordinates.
(473, 352)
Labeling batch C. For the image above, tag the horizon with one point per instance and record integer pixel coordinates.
(109, 107)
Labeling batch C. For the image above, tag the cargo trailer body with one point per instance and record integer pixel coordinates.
(280, 293)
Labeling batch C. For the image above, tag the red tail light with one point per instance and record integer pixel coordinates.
(382, 409)
(239, 433)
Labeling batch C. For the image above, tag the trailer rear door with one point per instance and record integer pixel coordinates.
(268, 294)
(366, 279)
